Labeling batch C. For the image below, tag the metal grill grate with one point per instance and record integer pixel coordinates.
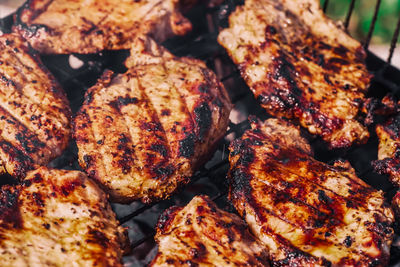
(201, 43)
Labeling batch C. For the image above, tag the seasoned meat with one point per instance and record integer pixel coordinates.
(34, 111)
(58, 218)
(396, 207)
(300, 65)
(143, 133)
(200, 234)
(88, 26)
(389, 149)
(306, 212)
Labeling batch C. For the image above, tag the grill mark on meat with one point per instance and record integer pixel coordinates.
(310, 236)
(334, 207)
(19, 136)
(103, 31)
(356, 200)
(297, 56)
(166, 169)
(34, 109)
(188, 142)
(200, 233)
(29, 69)
(265, 186)
(157, 101)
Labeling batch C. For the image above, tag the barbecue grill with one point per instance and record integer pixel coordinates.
(201, 43)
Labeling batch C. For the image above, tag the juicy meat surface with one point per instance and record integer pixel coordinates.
(200, 234)
(306, 212)
(389, 149)
(58, 218)
(88, 26)
(143, 133)
(34, 111)
(300, 65)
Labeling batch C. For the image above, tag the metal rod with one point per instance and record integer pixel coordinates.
(135, 213)
(325, 7)
(394, 41)
(349, 13)
(141, 241)
(372, 26)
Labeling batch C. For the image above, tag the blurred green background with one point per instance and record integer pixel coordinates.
(388, 15)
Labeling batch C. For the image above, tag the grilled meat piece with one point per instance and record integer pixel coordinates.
(201, 234)
(143, 133)
(389, 149)
(58, 218)
(34, 111)
(88, 26)
(396, 207)
(300, 65)
(306, 212)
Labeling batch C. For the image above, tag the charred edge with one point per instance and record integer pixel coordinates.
(29, 142)
(389, 166)
(159, 148)
(246, 156)
(22, 161)
(31, 30)
(203, 118)
(10, 213)
(240, 182)
(98, 237)
(392, 126)
(186, 146)
(162, 172)
(236, 147)
(166, 217)
(203, 88)
(299, 258)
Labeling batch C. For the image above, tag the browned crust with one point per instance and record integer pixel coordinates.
(297, 72)
(33, 131)
(201, 233)
(180, 125)
(87, 37)
(389, 149)
(31, 209)
(264, 192)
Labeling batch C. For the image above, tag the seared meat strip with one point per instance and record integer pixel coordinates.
(389, 149)
(200, 234)
(306, 212)
(58, 218)
(143, 133)
(34, 111)
(300, 65)
(88, 26)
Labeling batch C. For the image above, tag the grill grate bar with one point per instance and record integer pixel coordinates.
(372, 25)
(394, 41)
(349, 13)
(142, 240)
(204, 173)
